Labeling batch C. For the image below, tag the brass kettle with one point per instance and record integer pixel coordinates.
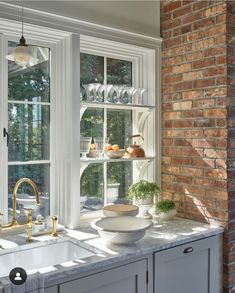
(134, 150)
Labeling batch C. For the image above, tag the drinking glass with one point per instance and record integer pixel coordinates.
(108, 93)
(138, 96)
(117, 93)
(126, 96)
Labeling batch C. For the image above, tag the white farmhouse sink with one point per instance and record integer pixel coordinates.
(31, 258)
(121, 230)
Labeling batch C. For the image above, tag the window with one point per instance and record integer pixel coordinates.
(41, 108)
(29, 130)
(103, 181)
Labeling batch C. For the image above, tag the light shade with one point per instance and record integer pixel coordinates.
(22, 54)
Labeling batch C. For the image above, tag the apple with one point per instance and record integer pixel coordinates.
(115, 147)
(108, 147)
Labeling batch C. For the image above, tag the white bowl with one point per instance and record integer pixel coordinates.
(115, 210)
(111, 154)
(121, 230)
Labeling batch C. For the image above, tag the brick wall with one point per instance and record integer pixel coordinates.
(198, 105)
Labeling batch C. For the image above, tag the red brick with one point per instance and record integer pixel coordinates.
(204, 63)
(204, 123)
(200, 4)
(182, 86)
(182, 123)
(204, 103)
(190, 171)
(219, 9)
(192, 113)
(181, 161)
(172, 115)
(192, 17)
(181, 68)
(204, 23)
(182, 105)
(219, 70)
(203, 83)
(203, 44)
(218, 194)
(182, 11)
(215, 51)
(171, 6)
(215, 112)
(188, 95)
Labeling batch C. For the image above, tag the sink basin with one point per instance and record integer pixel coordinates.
(31, 258)
(121, 230)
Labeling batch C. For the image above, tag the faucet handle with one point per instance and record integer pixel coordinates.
(29, 225)
(1, 215)
(54, 226)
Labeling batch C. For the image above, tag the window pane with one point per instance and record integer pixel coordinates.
(119, 126)
(29, 130)
(40, 174)
(119, 178)
(119, 71)
(92, 69)
(92, 188)
(92, 125)
(31, 83)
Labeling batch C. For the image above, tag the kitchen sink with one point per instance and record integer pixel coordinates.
(31, 258)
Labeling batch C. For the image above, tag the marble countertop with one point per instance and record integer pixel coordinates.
(160, 236)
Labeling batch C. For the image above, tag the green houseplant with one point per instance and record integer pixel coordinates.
(166, 209)
(142, 194)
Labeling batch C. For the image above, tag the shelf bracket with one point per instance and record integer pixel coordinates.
(142, 119)
(82, 111)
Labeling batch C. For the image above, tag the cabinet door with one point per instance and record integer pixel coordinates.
(53, 289)
(129, 278)
(186, 268)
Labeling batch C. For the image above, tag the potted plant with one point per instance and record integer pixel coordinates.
(166, 209)
(142, 194)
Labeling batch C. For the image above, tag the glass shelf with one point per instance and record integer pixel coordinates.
(104, 159)
(117, 106)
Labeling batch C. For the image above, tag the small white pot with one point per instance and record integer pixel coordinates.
(168, 215)
(144, 206)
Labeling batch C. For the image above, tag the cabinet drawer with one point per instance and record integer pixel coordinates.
(129, 278)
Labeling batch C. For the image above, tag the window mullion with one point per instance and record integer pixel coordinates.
(105, 135)
(4, 124)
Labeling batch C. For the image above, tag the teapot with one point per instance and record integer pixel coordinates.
(134, 150)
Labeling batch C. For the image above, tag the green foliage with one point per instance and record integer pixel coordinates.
(143, 190)
(165, 206)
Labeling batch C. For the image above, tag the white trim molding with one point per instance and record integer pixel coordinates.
(75, 26)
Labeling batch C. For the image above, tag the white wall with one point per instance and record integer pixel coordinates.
(137, 16)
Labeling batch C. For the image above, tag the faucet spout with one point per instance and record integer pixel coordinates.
(17, 185)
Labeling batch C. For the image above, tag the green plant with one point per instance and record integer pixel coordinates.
(165, 206)
(143, 190)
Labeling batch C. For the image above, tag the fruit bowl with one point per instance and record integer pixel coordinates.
(114, 154)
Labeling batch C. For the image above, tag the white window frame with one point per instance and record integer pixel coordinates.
(63, 35)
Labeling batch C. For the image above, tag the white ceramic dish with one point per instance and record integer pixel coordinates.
(117, 210)
(111, 154)
(121, 230)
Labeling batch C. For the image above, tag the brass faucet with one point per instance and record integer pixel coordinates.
(14, 223)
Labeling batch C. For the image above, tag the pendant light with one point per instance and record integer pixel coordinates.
(21, 54)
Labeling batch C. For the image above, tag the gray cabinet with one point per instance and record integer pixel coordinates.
(129, 278)
(189, 268)
(53, 289)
